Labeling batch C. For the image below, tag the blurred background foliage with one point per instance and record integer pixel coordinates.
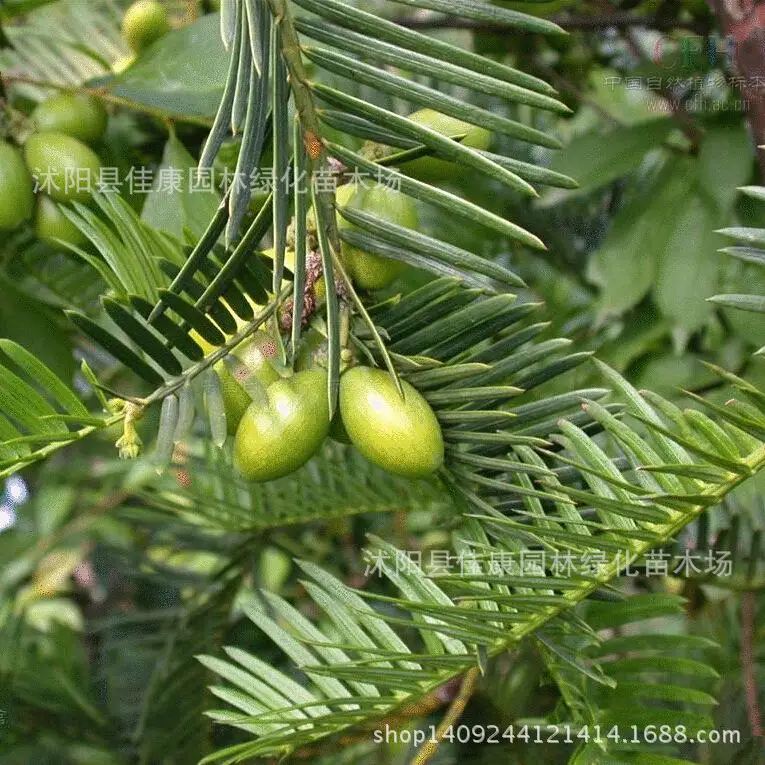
(110, 584)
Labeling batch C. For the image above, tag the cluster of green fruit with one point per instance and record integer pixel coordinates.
(280, 418)
(370, 271)
(58, 155)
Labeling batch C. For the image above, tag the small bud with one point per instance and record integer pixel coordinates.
(115, 405)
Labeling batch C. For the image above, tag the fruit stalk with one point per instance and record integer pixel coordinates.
(345, 325)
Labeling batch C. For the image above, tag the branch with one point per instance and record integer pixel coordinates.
(564, 86)
(423, 700)
(319, 161)
(80, 523)
(424, 706)
(755, 462)
(104, 95)
(457, 707)
(315, 149)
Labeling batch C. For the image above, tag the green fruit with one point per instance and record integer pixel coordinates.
(144, 23)
(258, 200)
(254, 355)
(368, 271)
(16, 195)
(65, 168)
(51, 225)
(80, 116)
(312, 346)
(343, 195)
(259, 353)
(436, 170)
(275, 568)
(235, 398)
(122, 63)
(400, 435)
(312, 354)
(280, 434)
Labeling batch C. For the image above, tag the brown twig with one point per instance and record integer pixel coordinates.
(564, 86)
(748, 612)
(453, 713)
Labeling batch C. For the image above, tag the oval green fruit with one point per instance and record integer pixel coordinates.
(369, 271)
(399, 435)
(65, 168)
(312, 354)
(235, 397)
(77, 115)
(280, 434)
(123, 63)
(16, 194)
(436, 170)
(312, 348)
(52, 226)
(255, 356)
(144, 22)
(275, 567)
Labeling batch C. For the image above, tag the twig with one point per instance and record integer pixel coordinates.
(105, 95)
(748, 611)
(422, 707)
(318, 159)
(563, 85)
(453, 713)
(48, 449)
